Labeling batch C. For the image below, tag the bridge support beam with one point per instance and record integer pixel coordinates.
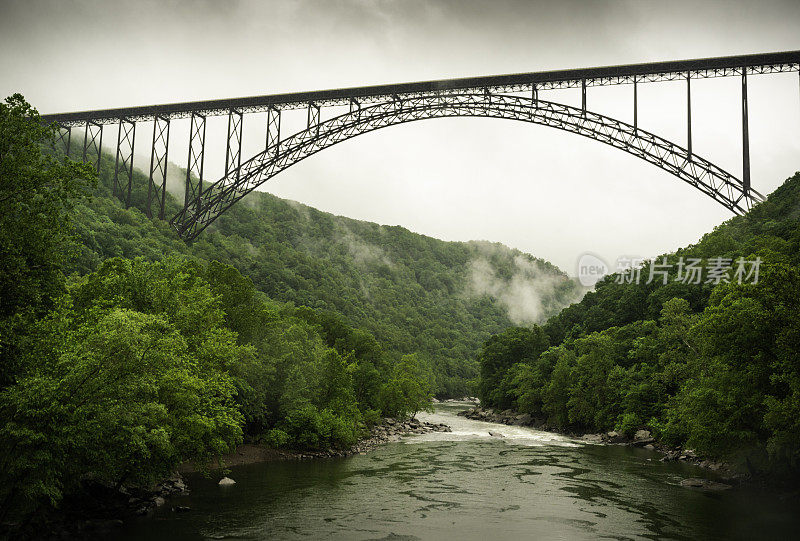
(93, 142)
(583, 96)
(689, 115)
(126, 138)
(62, 139)
(233, 148)
(635, 104)
(157, 185)
(314, 116)
(273, 130)
(194, 167)
(745, 137)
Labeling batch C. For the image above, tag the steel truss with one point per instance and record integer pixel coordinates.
(233, 148)
(652, 72)
(194, 166)
(126, 138)
(157, 185)
(93, 143)
(273, 129)
(713, 181)
(62, 139)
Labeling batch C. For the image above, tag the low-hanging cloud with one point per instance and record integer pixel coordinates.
(528, 296)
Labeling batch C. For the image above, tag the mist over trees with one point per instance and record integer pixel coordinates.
(713, 367)
(119, 373)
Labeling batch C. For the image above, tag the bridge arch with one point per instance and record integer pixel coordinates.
(698, 172)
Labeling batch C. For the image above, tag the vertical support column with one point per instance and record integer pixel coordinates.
(355, 106)
(689, 114)
(93, 139)
(635, 104)
(313, 116)
(233, 149)
(63, 137)
(398, 103)
(126, 138)
(535, 95)
(194, 167)
(583, 96)
(273, 130)
(157, 186)
(745, 137)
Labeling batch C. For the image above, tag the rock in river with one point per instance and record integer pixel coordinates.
(704, 484)
(226, 481)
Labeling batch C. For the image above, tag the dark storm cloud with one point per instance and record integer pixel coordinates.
(457, 179)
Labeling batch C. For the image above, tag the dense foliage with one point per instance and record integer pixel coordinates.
(36, 196)
(712, 366)
(413, 293)
(119, 374)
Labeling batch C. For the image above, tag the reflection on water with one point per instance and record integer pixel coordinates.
(469, 485)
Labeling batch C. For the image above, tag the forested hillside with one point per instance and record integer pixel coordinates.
(117, 375)
(713, 365)
(415, 294)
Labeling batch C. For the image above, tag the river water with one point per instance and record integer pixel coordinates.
(469, 485)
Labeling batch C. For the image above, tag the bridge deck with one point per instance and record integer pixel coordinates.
(518, 82)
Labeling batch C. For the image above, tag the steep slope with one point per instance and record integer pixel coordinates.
(711, 364)
(413, 292)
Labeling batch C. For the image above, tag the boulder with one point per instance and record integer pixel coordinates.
(226, 482)
(524, 419)
(642, 435)
(615, 437)
(704, 484)
(496, 434)
(592, 438)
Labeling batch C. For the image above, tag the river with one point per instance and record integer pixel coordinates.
(469, 485)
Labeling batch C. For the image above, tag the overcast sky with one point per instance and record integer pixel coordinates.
(553, 194)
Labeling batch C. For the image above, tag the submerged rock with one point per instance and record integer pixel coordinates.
(704, 484)
(496, 434)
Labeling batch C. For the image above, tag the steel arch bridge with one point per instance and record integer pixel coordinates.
(513, 97)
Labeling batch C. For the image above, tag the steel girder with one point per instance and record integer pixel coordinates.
(715, 182)
(701, 68)
(273, 129)
(194, 167)
(126, 138)
(233, 148)
(93, 142)
(157, 186)
(62, 139)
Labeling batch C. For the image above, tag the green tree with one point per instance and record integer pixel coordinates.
(37, 194)
(410, 388)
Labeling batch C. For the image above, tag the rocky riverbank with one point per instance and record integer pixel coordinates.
(100, 508)
(388, 430)
(96, 511)
(642, 438)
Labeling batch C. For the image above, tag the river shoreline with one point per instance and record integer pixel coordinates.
(252, 453)
(642, 438)
(102, 509)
